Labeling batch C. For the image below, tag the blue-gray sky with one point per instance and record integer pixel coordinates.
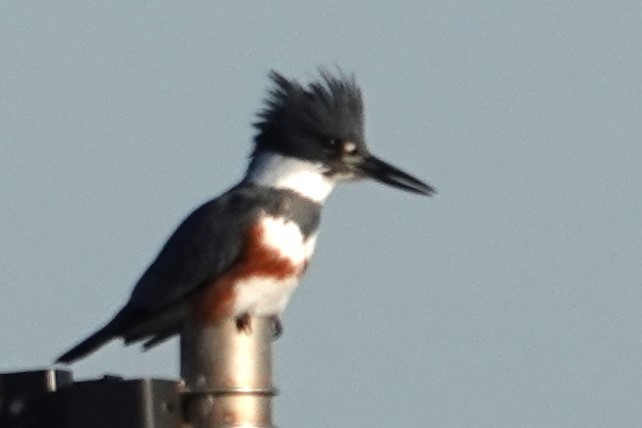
(512, 299)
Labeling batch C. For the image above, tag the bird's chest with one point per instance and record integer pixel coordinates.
(274, 256)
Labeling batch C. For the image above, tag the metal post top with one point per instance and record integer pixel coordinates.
(228, 373)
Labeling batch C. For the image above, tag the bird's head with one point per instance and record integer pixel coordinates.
(322, 123)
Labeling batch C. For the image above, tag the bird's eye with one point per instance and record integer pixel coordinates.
(344, 147)
(334, 142)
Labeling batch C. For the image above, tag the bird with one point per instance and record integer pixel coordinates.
(242, 254)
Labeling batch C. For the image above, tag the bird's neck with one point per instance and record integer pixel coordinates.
(306, 178)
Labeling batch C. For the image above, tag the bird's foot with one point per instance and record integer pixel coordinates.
(244, 324)
(277, 325)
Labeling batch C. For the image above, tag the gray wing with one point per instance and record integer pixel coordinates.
(203, 246)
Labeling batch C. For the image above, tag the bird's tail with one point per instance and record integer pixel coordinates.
(110, 331)
(87, 346)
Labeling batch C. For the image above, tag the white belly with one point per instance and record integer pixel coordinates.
(264, 296)
(268, 294)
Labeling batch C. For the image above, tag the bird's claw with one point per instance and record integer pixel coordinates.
(244, 324)
(277, 326)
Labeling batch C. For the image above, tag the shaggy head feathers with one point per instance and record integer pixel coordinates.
(298, 119)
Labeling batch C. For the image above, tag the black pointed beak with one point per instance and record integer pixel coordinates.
(373, 167)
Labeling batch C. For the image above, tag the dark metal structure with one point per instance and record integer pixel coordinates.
(227, 383)
(51, 398)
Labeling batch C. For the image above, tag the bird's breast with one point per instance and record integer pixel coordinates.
(275, 254)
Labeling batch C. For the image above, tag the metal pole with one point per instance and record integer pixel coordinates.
(228, 374)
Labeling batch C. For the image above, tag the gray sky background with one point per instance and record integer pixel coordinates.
(512, 299)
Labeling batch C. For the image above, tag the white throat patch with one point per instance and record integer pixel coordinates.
(281, 172)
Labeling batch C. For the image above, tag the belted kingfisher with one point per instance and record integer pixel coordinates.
(243, 253)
